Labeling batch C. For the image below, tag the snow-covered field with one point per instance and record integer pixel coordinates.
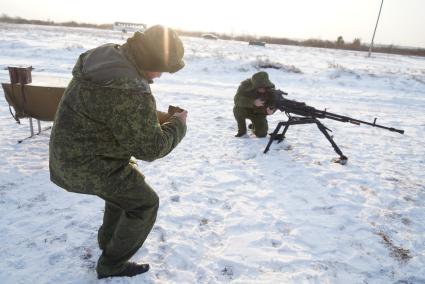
(228, 212)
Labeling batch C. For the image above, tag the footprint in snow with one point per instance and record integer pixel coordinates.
(55, 258)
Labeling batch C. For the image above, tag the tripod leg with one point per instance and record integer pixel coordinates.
(322, 128)
(39, 126)
(31, 127)
(273, 136)
(280, 137)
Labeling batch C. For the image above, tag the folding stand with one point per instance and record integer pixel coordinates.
(29, 101)
(294, 120)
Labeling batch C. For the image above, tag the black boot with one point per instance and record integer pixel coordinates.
(240, 133)
(131, 270)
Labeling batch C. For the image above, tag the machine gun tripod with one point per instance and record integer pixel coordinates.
(294, 120)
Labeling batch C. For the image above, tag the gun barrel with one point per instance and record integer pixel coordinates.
(357, 121)
(300, 108)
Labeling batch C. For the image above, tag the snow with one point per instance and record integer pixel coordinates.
(228, 212)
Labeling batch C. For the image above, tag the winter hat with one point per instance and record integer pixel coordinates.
(157, 49)
(261, 80)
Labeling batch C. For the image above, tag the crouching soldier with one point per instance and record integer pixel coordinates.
(106, 117)
(249, 104)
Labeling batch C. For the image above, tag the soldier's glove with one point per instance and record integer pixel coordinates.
(270, 110)
(259, 102)
(174, 109)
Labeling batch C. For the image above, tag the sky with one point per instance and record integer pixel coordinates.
(401, 22)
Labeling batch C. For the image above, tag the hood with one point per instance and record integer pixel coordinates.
(105, 64)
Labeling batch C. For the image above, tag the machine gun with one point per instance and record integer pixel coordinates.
(305, 115)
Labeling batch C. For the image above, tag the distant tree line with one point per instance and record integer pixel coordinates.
(17, 20)
(338, 44)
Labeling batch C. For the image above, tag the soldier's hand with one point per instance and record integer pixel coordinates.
(181, 115)
(259, 102)
(270, 110)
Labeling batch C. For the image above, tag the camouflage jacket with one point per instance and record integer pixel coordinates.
(245, 97)
(107, 115)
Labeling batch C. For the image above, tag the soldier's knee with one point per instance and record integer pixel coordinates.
(261, 134)
(148, 208)
(239, 113)
(261, 131)
(149, 202)
(154, 201)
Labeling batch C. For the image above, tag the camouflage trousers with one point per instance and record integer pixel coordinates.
(259, 121)
(130, 213)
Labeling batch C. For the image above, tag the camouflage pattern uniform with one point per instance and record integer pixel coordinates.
(244, 105)
(106, 117)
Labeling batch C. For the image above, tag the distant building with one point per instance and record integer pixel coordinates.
(259, 43)
(210, 36)
(129, 27)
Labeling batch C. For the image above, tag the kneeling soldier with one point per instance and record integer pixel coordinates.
(249, 104)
